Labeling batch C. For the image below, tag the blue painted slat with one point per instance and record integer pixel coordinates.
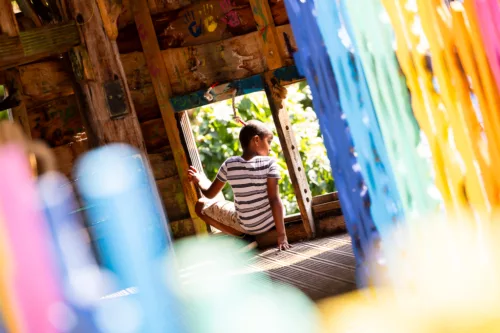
(115, 181)
(355, 99)
(314, 63)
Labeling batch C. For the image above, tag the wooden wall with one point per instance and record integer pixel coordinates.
(203, 43)
(53, 110)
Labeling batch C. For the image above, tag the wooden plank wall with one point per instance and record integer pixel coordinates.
(203, 43)
(52, 110)
(207, 42)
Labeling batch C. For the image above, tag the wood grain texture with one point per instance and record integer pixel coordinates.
(20, 112)
(163, 164)
(155, 135)
(127, 16)
(200, 23)
(275, 95)
(173, 198)
(36, 44)
(45, 81)
(295, 231)
(268, 34)
(8, 24)
(95, 66)
(325, 207)
(198, 67)
(27, 8)
(145, 103)
(110, 10)
(161, 84)
(58, 122)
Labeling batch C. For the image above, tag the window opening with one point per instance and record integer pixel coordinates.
(216, 136)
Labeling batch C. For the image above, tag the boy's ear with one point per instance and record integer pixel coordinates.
(256, 138)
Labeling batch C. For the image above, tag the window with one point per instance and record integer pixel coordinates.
(216, 137)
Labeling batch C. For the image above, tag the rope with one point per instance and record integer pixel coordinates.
(236, 117)
(209, 97)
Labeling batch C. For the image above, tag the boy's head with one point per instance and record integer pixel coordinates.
(256, 138)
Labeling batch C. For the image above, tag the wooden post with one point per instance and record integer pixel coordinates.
(110, 112)
(275, 94)
(162, 88)
(8, 25)
(27, 8)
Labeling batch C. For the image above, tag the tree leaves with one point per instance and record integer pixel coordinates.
(217, 138)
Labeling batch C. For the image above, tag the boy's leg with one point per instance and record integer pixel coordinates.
(224, 227)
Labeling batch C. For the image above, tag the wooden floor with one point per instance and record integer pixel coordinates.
(320, 268)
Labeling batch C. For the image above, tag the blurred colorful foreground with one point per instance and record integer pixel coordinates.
(444, 278)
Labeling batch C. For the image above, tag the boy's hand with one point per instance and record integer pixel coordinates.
(283, 243)
(194, 175)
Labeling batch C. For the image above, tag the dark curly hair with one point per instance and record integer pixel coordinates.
(251, 129)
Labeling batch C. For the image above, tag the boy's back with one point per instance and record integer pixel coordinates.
(254, 179)
(248, 180)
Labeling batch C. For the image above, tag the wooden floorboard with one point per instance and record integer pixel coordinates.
(320, 268)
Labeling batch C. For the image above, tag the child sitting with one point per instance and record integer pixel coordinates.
(254, 179)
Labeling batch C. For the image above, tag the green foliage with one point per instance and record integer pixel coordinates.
(217, 136)
(4, 115)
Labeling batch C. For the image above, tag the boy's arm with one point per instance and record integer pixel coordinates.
(209, 189)
(278, 212)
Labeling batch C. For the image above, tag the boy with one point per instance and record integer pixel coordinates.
(254, 178)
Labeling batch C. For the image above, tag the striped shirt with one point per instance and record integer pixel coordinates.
(248, 180)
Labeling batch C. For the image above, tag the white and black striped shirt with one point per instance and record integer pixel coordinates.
(248, 180)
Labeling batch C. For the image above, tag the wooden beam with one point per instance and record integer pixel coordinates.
(110, 10)
(42, 79)
(199, 67)
(326, 207)
(273, 54)
(275, 58)
(161, 84)
(325, 198)
(27, 8)
(163, 10)
(8, 23)
(286, 75)
(275, 95)
(110, 113)
(35, 44)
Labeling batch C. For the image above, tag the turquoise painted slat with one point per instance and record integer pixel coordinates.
(374, 44)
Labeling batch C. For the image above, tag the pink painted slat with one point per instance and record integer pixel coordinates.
(34, 282)
(488, 14)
